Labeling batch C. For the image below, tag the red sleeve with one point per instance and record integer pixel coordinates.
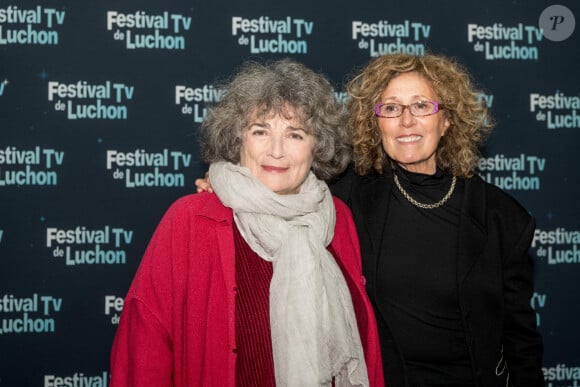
(142, 352)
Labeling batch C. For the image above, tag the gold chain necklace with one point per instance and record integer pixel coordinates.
(423, 205)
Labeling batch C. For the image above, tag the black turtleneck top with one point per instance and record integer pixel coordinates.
(417, 284)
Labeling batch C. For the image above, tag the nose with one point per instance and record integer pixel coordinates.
(277, 147)
(407, 118)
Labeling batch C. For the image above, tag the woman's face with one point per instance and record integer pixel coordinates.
(412, 141)
(278, 151)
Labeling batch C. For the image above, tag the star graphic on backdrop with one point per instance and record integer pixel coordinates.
(43, 75)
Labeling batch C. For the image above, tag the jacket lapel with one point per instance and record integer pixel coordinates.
(472, 227)
(223, 218)
(223, 228)
(374, 202)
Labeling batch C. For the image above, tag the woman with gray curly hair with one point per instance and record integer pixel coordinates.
(445, 254)
(260, 90)
(260, 282)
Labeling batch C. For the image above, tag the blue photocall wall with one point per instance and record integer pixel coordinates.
(100, 106)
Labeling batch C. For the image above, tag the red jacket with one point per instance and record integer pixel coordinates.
(178, 325)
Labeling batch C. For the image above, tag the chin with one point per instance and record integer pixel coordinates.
(285, 191)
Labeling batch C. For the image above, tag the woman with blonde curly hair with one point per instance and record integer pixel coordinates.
(445, 254)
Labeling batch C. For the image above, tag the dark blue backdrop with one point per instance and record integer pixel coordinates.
(100, 104)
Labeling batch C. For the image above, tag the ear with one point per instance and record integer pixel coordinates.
(446, 124)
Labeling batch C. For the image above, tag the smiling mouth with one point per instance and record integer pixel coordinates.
(409, 138)
(269, 168)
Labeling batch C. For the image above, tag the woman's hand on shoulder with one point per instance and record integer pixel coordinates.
(203, 184)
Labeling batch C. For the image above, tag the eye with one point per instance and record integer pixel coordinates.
(258, 132)
(296, 136)
(391, 108)
(423, 106)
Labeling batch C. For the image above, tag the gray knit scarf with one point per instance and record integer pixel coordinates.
(313, 325)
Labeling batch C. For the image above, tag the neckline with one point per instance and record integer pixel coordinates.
(439, 178)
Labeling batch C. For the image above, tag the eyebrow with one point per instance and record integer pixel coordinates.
(260, 124)
(416, 96)
(293, 129)
(288, 128)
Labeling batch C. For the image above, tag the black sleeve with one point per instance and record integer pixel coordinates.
(522, 342)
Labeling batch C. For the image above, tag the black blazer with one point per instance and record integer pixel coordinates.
(494, 277)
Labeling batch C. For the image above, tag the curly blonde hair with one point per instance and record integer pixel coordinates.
(470, 122)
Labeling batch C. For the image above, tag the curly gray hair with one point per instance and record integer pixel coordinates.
(263, 89)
